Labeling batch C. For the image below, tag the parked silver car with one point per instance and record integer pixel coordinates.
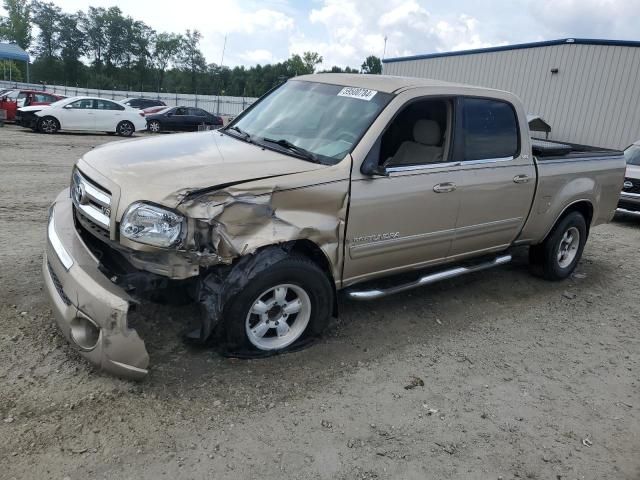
(630, 195)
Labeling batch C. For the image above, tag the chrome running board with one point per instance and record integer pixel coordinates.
(374, 293)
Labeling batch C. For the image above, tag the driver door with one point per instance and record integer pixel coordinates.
(407, 219)
(78, 115)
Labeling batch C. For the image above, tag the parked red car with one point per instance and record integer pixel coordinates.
(11, 100)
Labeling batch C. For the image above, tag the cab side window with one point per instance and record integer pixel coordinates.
(85, 104)
(181, 111)
(418, 135)
(107, 105)
(489, 129)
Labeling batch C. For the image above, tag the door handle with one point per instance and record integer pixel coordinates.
(444, 187)
(521, 179)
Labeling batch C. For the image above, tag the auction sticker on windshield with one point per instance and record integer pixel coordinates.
(360, 93)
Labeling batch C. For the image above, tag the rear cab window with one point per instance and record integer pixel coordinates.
(488, 130)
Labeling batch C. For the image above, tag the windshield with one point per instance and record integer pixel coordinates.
(632, 155)
(324, 120)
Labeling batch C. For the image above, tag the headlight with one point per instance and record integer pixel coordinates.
(152, 225)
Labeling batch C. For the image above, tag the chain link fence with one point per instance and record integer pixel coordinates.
(220, 105)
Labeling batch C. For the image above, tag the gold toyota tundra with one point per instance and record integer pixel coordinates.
(328, 183)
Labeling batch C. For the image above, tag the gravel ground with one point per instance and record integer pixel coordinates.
(494, 375)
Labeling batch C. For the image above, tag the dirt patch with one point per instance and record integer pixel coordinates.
(518, 378)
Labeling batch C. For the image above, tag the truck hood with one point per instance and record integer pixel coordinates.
(34, 108)
(165, 168)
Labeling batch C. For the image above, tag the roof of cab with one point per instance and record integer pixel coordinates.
(381, 83)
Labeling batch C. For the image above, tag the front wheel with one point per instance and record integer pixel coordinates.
(558, 256)
(125, 129)
(290, 301)
(154, 126)
(48, 125)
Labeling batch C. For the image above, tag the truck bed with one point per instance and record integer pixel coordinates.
(569, 174)
(545, 150)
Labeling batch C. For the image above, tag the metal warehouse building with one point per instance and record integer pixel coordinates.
(587, 90)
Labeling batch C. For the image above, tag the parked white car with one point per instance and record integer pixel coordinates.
(90, 114)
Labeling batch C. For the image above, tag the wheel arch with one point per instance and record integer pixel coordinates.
(584, 207)
(313, 252)
(50, 116)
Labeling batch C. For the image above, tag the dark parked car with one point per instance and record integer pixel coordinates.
(630, 196)
(142, 103)
(181, 119)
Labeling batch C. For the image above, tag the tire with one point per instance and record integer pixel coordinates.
(557, 257)
(125, 128)
(48, 125)
(154, 126)
(305, 307)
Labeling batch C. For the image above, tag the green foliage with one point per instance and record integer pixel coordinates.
(11, 69)
(372, 64)
(16, 27)
(47, 17)
(127, 54)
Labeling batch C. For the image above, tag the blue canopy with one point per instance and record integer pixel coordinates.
(11, 51)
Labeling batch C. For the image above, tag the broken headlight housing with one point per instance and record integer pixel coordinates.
(152, 225)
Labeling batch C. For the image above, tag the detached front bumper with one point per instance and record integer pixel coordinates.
(90, 310)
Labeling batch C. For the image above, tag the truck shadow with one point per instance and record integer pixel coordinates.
(364, 331)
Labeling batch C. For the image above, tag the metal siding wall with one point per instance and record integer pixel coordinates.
(594, 99)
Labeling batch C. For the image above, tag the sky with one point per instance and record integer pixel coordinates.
(345, 32)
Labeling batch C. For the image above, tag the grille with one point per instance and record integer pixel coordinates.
(633, 189)
(92, 204)
(58, 285)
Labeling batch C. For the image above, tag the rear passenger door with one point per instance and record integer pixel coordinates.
(196, 117)
(107, 114)
(497, 179)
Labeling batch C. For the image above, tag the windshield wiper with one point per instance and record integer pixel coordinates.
(245, 135)
(294, 148)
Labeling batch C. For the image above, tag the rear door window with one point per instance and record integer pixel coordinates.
(489, 129)
(84, 104)
(107, 105)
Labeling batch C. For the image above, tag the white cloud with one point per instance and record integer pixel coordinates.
(351, 30)
(257, 56)
(587, 18)
(345, 32)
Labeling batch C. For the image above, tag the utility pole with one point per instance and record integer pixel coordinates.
(224, 47)
(384, 52)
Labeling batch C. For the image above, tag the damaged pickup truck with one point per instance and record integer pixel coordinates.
(368, 185)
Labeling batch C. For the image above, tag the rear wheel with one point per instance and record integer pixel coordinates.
(48, 125)
(557, 257)
(125, 128)
(280, 306)
(154, 126)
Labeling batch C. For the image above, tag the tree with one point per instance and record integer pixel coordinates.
(47, 16)
(72, 45)
(336, 69)
(311, 60)
(191, 58)
(303, 65)
(166, 47)
(94, 28)
(16, 27)
(372, 65)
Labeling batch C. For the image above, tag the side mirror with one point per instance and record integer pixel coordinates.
(169, 114)
(68, 107)
(371, 164)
